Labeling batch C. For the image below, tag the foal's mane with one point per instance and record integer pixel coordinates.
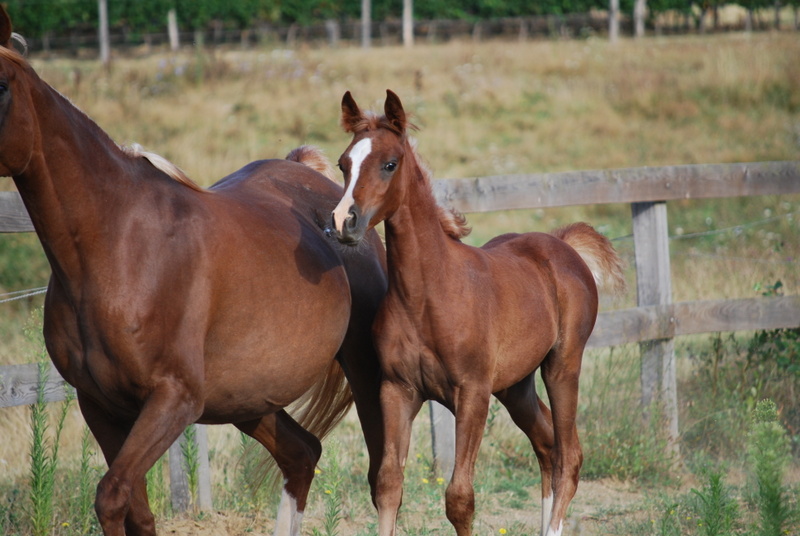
(453, 223)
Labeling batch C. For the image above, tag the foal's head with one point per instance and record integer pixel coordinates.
(373, 166)
(16, 117)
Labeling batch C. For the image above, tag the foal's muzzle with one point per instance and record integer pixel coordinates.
(351, 232)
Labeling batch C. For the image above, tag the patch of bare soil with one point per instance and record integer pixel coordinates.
(597, 506)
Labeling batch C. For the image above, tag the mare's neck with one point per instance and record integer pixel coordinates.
(75, 183)
(416, 245)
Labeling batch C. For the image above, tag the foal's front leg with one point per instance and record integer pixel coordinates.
(472, 407)
(399, 405)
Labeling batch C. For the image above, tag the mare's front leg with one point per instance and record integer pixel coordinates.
(472, 408)
(400, 404)
(121, 502)
(110, 434)
(296, 451)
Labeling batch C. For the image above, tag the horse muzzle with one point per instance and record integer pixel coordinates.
(347, 228)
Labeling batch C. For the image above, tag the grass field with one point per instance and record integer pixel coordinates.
(487, 109)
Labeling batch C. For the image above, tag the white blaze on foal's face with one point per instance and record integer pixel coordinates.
(357, 154)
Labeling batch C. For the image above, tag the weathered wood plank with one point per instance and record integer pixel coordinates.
(502, 192)
(690, 318)
(13, 216)
(19, 385)
(737, 315)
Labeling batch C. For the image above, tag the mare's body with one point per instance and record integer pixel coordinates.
(460, 324)
(170, 304)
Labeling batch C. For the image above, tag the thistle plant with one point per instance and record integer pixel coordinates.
(769, 454)
(44, 449)
(716, 509)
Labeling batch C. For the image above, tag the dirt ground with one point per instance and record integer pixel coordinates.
(596, 504)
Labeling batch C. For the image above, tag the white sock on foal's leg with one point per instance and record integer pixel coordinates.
(547, 512)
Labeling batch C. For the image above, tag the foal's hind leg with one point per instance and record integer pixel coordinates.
(560, 372)
(533, 417)
(296, 451)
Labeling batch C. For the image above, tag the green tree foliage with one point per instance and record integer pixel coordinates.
(38, 18)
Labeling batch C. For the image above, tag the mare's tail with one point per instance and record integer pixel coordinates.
(598, 254)
(314, 158)
(319, 410)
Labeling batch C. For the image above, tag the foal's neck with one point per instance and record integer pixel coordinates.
(416, 244)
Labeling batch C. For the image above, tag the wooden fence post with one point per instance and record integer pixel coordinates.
(443, 439)
(654, 287)
(178, 479)
(178, 476)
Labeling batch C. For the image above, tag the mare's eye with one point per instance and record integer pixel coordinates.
(390, 166)
(3, 88)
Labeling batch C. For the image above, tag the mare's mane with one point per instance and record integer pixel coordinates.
(12, 54)
(161, 164)
(134, 151)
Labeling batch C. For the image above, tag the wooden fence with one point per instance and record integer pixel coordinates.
(654, 322)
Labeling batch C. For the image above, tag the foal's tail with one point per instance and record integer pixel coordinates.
(314, 158)
(598, 254)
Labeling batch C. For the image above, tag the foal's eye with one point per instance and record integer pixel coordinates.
(3, 88)
(390, 166)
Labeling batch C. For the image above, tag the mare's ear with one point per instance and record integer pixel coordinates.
(393, 109)
(351, 113)
(5, 28)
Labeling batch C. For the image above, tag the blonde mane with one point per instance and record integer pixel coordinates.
(162, 164)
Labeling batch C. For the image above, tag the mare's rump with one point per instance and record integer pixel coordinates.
(309, 193)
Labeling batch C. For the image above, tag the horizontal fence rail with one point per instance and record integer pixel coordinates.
(633, 185)
(655, 319)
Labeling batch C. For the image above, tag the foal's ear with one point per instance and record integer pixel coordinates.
(5, 28)
(351, 113)
(393, 110)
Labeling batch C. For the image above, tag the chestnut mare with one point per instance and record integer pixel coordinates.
(170, 304)
(461, 323)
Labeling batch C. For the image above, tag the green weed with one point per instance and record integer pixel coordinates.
(715, 508)
(44, 450)
(769, 455)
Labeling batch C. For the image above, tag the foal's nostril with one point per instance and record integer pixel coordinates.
(352, 219)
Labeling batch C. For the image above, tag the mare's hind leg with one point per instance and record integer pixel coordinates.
(472, 407)
(110, 435)
(400, 405)
(533, 417)
(296, 451)
(560, 372)
(360, 363)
